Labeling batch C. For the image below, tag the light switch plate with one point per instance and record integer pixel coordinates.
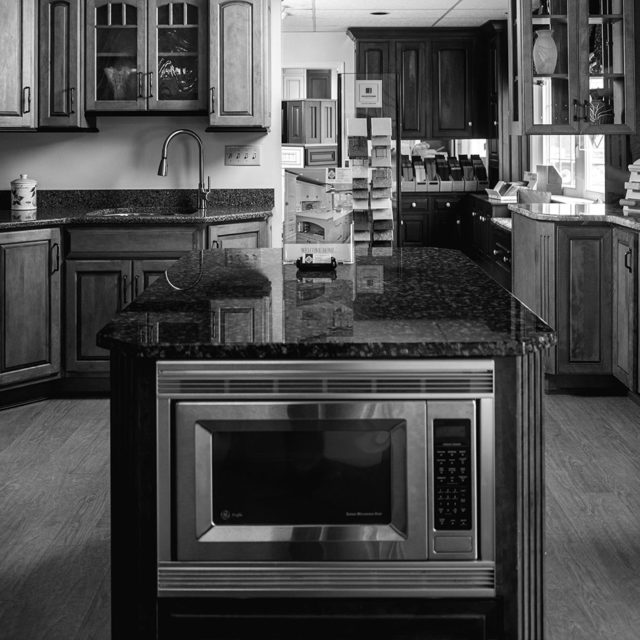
(241, 156)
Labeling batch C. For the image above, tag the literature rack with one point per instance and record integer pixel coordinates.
(631, 202)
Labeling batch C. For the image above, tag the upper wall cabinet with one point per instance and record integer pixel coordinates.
(61, 65)
(437, 73)
(17, 52)
(146, 55)
(240, 94)
(573, 66)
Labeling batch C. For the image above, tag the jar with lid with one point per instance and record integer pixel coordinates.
(23, 193)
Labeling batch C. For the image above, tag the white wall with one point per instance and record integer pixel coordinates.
(318, 50)
(126, 151)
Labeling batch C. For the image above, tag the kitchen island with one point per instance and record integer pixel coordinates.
(416, 308)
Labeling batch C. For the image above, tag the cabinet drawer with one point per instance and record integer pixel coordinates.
(170, 241)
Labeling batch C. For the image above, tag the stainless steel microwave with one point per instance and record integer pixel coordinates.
(382, 471)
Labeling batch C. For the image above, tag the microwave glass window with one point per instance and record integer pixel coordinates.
(299, 477)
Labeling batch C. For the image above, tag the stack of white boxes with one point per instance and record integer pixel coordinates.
(371, 184)
(631, 202)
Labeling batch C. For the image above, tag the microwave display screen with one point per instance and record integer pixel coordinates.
(317, 475)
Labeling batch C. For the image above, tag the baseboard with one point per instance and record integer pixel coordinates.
(81, 387)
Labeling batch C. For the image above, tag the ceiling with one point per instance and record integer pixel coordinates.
(339, 15)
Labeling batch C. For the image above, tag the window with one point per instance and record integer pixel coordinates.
(578, 159)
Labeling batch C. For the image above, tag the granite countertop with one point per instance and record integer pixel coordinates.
(167, 207)
(422, 302)
(503, 223)
(579, 213)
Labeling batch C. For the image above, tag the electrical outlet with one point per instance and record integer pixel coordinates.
(241, 156)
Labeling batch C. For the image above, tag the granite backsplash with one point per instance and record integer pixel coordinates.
(179, 198)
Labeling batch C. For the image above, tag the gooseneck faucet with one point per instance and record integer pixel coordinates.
(203, 192)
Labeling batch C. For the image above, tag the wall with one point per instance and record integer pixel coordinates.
(126, 151)
(318, 50)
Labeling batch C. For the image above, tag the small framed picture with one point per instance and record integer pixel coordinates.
(369, 94)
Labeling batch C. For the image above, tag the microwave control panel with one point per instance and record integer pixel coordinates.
(452, 474)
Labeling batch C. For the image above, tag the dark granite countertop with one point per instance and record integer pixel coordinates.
(170, 207)
(417, 303)
(578, 213)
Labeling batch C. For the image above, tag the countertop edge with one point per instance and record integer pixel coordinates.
(611, 215)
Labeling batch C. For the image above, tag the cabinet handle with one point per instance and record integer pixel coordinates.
(213, 100)
(506, 260)
(136, 282)
(585, 114)
(150, 84)
(215, 244)
(448, 205)
(474, 214)
(470, 123)
(627, 263)
(482, 218)
(124, 289)
(495, 123)
(458, 221)
(576, 106)
(140, 92)
(413, 205)
(72, 99)
(55, 260)
(26, 100)
(496, 252)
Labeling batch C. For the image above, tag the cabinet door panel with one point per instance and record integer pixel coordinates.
(30, 314)
(147, 271)
(17, 52)
(624, 305)
(452, 91)
(584, 300)
(410, 58)
(239, 63)
(96, 291)
(116, 55)
(177, 55)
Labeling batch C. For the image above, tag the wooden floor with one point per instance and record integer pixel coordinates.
(54, 520)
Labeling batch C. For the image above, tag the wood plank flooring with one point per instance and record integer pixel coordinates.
(54, 520)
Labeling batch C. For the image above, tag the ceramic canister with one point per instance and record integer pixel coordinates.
(23, 193)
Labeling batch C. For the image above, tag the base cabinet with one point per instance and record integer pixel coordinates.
(431, 221)
(245, 235)
(30, 312)
(625, 301)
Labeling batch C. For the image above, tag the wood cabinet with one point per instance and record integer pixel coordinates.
(240, 320)
(453, 90)
(146, 55)
(431, 221)
(563, 273)
(18, 77)
(61, 65)
(625, 301)
(30, 312)
(441, 79)
(239, 70)
(573, 67)
(240, 235)
(309, 122)
(105, 270)
(294, 84)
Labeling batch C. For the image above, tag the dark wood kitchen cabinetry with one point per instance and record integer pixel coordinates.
(61, 65)
(453, 88)
(18, 78)
(625, 301)
(239, 71)
(30, 312)
(105, 270)
(563, 273)
(146, 55)
(586, 83)
(431, 221)
(440, 76)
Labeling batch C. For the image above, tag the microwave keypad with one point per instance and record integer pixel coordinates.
(452, 475)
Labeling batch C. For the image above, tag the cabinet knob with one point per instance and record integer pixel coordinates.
(448, 205)
(496, 252)
(413, 205)
(474, 214)
(506, 260)
(470, 123)
(482, 218)
(495, 123)
(458, 221)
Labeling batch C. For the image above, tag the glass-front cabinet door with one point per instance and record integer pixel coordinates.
(575, 72)
(146, 55)
(116, 69)
(177, 55)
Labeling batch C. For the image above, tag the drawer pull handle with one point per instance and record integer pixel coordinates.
(26, 100)
(136, 284)
(72, 100)
(627, 261)
(124, 289)
(213, 100)
(56, 259)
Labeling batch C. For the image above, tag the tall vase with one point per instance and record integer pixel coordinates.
(545, 53)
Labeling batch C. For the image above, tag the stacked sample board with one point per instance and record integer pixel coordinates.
(369, 151)
(631, 202)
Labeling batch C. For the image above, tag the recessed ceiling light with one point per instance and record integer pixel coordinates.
(379, 13)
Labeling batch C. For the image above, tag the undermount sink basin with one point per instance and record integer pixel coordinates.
(138, 212)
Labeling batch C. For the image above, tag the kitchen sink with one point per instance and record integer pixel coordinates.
(138, 212)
